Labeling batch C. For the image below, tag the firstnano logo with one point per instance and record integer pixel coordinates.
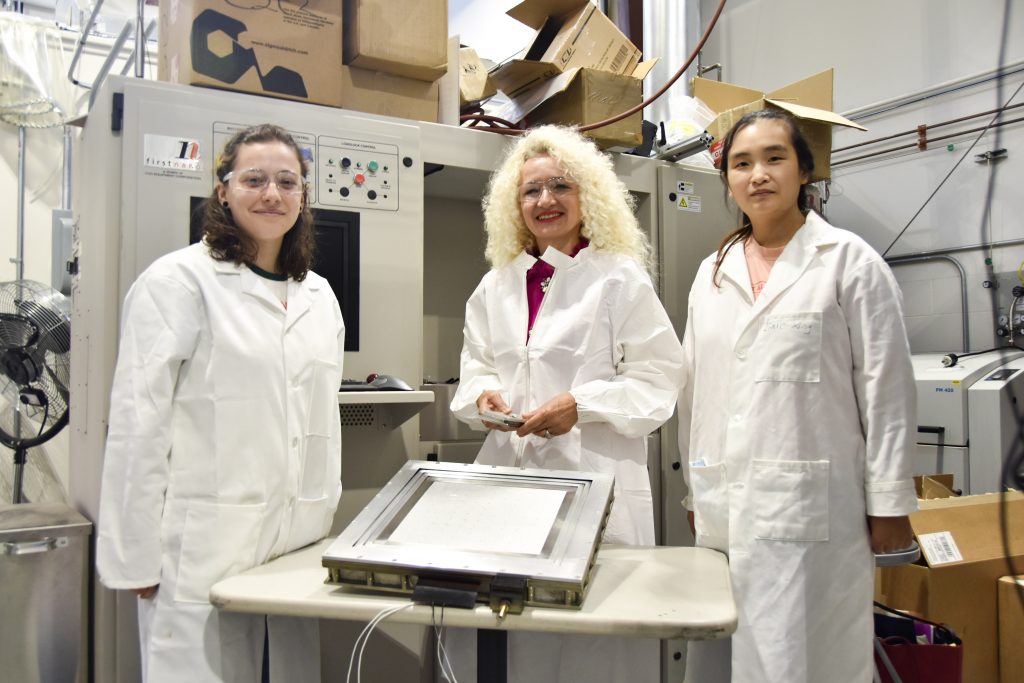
(189, 150)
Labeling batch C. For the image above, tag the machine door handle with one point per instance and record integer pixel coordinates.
(931, 430)
(32, 547)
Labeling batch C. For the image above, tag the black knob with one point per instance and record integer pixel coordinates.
(1001, 332)
(407, 162)
(672, 196)
(677, 656)
(343, 191)
(371, 194)
(676, 465)
(346, 162)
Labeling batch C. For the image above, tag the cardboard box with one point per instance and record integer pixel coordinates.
(1011, 629)
(376, 92)
(808, 100)
(287, 49)
(402, 37)
(583, 96)
(570, 34)
(960, 593)
(932, 486)
(474, 82)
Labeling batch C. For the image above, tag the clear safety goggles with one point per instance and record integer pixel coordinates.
(558, 186)
(258, 180)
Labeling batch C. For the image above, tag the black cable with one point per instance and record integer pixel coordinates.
(1014, 457)
(999, 112)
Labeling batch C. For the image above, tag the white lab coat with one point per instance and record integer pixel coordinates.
(796, 419)
(223, 451)
(602, 335)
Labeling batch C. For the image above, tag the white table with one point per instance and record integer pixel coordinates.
(660, 592)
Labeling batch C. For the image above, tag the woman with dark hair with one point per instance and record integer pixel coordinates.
(224, 445)
(796, 421)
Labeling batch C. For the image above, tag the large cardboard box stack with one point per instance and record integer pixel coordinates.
(401, 37)
(956, 581)
(808, 100)
(295, 50)
(578, 69)
(1011, 629)
(289, 50)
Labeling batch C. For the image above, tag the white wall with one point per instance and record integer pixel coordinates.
(883, 50)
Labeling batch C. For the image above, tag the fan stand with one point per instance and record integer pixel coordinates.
(20, 458)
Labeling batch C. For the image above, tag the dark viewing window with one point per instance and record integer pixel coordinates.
(336, 259)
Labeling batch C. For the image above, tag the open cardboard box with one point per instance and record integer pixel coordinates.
(808, 100)
(932, 486)
(570, 34)
(582, 96)
(956, 580)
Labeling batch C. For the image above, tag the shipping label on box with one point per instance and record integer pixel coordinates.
(284, 49)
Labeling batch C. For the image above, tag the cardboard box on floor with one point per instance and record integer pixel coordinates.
(808, 100)
(289, 50)
(570, 33)
(932, 486)
(1011, 629)
(959, 592)
(402, 37)
(583, 96)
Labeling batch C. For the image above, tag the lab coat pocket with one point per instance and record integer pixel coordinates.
(323, 399)
(789, 348)
(323, 408)
(710, 496)
(790, 499)
(218, 540)
(311, 520)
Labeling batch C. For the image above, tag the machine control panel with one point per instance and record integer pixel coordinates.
(357, 174)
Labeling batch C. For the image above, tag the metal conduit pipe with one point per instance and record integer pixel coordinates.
(917, 145)
(928, 126)
(968, 247)
(946, 88)
(903, 260)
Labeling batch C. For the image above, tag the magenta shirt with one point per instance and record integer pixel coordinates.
(537, 279)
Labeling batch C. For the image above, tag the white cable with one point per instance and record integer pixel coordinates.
(442, 652)
(364, 636)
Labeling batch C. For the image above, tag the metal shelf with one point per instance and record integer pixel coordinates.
(383, 410)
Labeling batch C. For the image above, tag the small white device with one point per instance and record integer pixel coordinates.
(507, 419)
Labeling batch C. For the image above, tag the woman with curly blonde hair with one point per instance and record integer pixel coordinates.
(571, 355)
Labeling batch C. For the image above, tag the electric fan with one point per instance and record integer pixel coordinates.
(35, 340)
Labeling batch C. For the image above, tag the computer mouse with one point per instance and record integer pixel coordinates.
(387, 383)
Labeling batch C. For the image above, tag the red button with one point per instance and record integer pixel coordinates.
(360, 179)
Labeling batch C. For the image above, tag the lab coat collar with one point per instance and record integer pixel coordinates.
(801, 250)
(552, 256)
(299, 300)
(813, 235)
(251, 284)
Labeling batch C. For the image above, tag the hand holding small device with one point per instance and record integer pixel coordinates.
(506, 419)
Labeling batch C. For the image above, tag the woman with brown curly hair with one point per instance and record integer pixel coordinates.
(224, 446)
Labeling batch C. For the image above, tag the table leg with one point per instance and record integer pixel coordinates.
(491, 656)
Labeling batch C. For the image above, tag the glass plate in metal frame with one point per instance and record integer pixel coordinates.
(378, 550)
